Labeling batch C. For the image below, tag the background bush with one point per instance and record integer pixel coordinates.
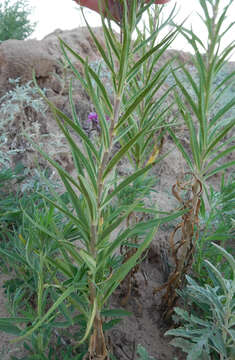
(14, 20)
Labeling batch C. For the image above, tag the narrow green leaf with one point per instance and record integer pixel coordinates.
(13, 256)
(61, 265)
(223, 82)
(218, 276)
(89, 261)
(97, 103)
(120, 274)
(229, 150)
(227, 255)
(75, 71)
(81, 215)
(123, 65)
(92, 73)
(181, 149)
(119, 155)
(75, 149)
(89, 195)
(9, 328)
(166, 42)
(227, 165)
(222, 112)
(74, 126)
(99, 47)
(215, 140)
(117, 222)
(30, 331)
(125, 183)
(186, 94)
(139, 97)
(89, 323)
(111, 39)
(68, 213)
(39, 226)
(115, 312)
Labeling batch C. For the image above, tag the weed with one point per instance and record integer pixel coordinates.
(208, 329)
(216, 225)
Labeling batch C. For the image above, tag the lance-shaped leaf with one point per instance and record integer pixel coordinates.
(166, 42)
(100, 47)
(92, 73)
(90, 322)
(80, 220)
(119, 155)
(99, 109)
(30, 331)
(8, 324)
(125, 183)
(88, 260)
(124, 269)
(89, 196)
(75, 126)
(134, 102)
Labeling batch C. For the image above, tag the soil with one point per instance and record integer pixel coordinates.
(145, 327)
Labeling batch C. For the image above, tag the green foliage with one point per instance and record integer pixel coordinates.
(16, 109)
(86, 267)
(147, 110)
(140, 188)
(14, 20)
(208, 329)
(15, 101)
(10, 214)
(210, 124)
(65, 248)
(18, 190)
(216, 225)
(207, 127)
(143, 354)
(36, 283)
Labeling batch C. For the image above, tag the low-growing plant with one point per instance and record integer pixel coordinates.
(216, 225)
(143, 354)
(10, 213)
(14, 106)
(207, 330)
(33, 272)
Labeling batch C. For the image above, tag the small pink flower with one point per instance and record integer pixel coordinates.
(93, 117)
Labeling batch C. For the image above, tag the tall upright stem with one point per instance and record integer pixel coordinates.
(97, 346)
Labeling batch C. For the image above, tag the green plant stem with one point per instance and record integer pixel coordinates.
(97, 347)
(40, 286)
(40, 299)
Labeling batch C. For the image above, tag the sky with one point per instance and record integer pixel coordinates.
(65, 15)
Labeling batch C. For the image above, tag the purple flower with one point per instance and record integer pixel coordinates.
(93, 117)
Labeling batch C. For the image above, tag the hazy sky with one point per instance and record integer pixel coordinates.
(64, 14)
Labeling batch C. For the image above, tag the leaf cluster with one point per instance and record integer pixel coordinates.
(208, 129)
(208, 329)
(216, 225)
